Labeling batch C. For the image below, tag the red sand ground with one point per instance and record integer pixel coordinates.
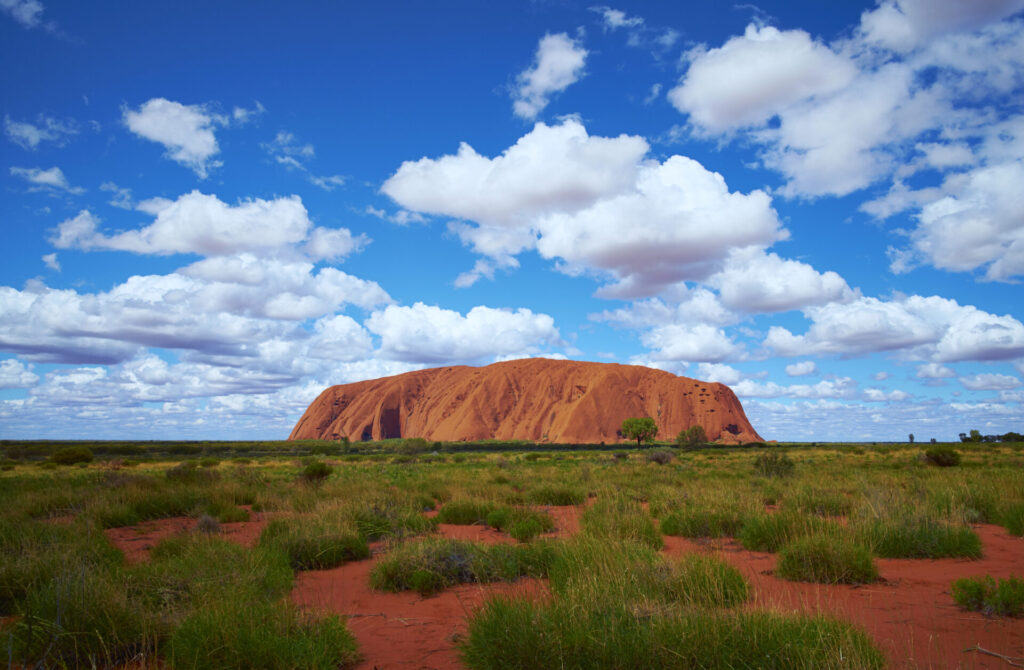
(136, 541)
(909, 612)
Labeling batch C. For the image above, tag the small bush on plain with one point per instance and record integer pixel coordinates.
(827, 560)
(986, 595)
(773, 464)
(944, 457)
(71, 455)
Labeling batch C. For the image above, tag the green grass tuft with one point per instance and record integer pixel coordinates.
(985, 595)
(826, 559)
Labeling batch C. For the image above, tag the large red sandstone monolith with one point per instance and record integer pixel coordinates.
(534, 399)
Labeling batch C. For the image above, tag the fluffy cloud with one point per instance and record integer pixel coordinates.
(46, 129)
(903, 24)
(234, 307)
(978, 224)
(52, 179)
(432, 335)
(186, 131)
(557, 65)
(801, 369)
(698, 305)
(202, 224)
(14, 374)
(990, 382)
(934, 371)
(880, 395)
(719, 372)
(921, 328)
(691, 343)
(26, 12)
(834, 119)
(568, 195)
(51, 262)
(752, 78)
(841, 387)
(755, 281)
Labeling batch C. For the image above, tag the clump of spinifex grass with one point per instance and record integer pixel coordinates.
(622, 605)
(433, 564)
(625, 571)
(236, 633)
(1012, 518)
(770, 532)
(818, 500)
(621, 519)
(549, 494)
(465, 512)
(699, 521)
(985, 595)
(315, 543)
(35, 553)
(918, 536)
(523, 634)
(81, 617)
(826, 559)
(522, 523)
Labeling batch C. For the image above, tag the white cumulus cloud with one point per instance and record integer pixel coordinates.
(752, 78)
(186, 131)
(557, 65)
(16, 375)
(801, 369)
(433, 335)
(197, 223)
(990, 382)
(592, 203)
(51, 179)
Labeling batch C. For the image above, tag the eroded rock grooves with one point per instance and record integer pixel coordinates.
(533, 399)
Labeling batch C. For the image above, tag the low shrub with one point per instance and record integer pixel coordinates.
(316, 472)
(527, 634)
(237, 633)
(773, 464)
(619, 519)
(826, 559)
(771, 532)
(431, 565)
(706, 581)
(556, 495)
(700, 521)
(985, 595)
(914, 536)
(313, 544)
(525, 529)
(465, 512)
(660, 457)
(389, 519)
(944, 457)
(71, 456)
(1012, 519)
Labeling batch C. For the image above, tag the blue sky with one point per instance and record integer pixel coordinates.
(213, 212)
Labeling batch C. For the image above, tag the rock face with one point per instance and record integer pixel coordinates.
(530, 399)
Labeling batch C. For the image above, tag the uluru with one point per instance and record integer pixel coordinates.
(535, 399)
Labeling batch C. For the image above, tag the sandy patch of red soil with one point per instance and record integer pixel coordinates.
(406, 630)
(400, 630)
(567, 520)
(136, 541)
(909, 612)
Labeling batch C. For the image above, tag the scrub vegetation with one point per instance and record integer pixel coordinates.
(69, 598)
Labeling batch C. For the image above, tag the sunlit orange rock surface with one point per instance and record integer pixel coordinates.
(530, 399)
